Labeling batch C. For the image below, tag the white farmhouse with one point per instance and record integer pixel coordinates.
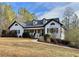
(38, 28)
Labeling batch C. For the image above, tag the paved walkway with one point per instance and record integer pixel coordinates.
(35, 40)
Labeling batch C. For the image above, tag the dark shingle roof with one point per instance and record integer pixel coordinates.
(40, 23)
(30, 24)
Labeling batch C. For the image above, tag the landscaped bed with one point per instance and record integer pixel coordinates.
(26, 47)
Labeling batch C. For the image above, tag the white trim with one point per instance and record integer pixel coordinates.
(33, 28)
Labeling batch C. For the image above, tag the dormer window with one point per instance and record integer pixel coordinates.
(44, 21)
(16, 24)
(52, 23)
(34, 22)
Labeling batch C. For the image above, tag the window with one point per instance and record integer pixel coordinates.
(18, 31)
(48, 30)
(52, 30)
(34, 22)
(16, 24)
(44, 21)
(52, 23)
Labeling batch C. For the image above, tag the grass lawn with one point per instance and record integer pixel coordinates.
(26, 47)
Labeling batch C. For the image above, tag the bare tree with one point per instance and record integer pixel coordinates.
(70, 18)
(74, 21)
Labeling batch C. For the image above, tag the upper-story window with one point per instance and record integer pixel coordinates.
(44, 21)
(16, 24)
(34, 22)
(52, 23)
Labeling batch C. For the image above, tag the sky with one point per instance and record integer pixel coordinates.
(45, 9)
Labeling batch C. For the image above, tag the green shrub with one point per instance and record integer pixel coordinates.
(26, 34)
(3, 33)
(12, 33)
(47, 37)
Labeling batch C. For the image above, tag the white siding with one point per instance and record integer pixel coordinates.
(58, 35)
(62, 34)
(18, 27)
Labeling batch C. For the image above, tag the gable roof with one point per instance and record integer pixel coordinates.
(13, 23)
(53, 19)
(39, 23)
(56, 20)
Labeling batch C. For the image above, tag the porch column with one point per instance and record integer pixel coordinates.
(45, 30)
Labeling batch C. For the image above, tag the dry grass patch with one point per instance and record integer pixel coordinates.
(25, 47)
(7, 39)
